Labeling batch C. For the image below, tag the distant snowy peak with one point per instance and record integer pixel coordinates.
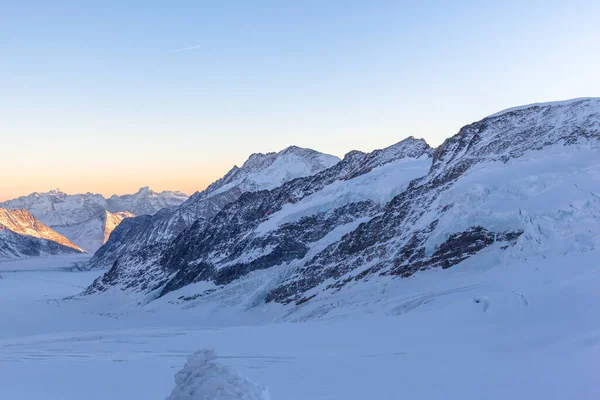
(56, 208)
(145, 201)
(410, 147)
(268, 171)
(23, 235)
(259, 172)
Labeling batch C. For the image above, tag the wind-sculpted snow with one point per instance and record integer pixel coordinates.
(204, 378)
(259, 172)
(235, 242)
(88, 219)
(21, 235)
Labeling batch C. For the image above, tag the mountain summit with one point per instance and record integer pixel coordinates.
(259, 172)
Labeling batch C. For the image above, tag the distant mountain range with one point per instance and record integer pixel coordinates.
(88, 219)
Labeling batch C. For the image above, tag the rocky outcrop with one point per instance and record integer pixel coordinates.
(21, 235)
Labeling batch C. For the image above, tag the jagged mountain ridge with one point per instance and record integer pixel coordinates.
(488, 188)
(260, 171)
(87, 219)
(433, 224)
(21, 235)
(232, 233)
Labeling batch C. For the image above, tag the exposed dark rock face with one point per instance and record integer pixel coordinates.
(291, 242)
(412, 258)
(230, 246)
(143, 278)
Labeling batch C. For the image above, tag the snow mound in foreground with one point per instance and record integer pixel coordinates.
(203, 378)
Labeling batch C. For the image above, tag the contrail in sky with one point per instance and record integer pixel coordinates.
(185, 49)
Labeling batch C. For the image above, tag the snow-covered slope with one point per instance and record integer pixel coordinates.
(523, 330)
(21, 235)
(268, 228)
(94, 232)
(259, 172)
(83, 218)
(524, 180)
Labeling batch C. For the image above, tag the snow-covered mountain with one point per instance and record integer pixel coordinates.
(265, 228)
(520, 183)
(259, 172)
(145, 201)
(524, 180)
(56, 208)
(21, 235)
(88, 219)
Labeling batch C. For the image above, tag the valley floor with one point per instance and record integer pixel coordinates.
(518, 330)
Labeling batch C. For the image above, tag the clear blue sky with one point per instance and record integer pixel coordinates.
(108, 96)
